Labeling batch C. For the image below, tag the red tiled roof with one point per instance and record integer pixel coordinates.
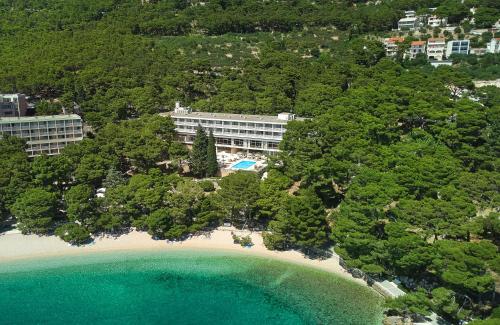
(395, 40)
(418, 43)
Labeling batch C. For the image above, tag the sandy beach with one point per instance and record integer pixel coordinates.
(14, 245)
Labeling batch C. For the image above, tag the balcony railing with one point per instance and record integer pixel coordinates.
(235, 135)
(229, 126)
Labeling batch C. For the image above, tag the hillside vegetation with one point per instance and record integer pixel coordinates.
(396, 169)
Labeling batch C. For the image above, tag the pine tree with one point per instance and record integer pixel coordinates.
(114, 178)
(198, 161)
(212, 166)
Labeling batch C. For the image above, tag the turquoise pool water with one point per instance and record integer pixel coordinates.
(182, 287)
(244, 164)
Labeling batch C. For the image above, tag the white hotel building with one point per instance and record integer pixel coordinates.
(232, 132)
(44, 134)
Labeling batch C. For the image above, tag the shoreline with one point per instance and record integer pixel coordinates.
(15, 246)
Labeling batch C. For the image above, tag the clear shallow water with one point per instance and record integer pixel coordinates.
(244, 164)
(182, 287)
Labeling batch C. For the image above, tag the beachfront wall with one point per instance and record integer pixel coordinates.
(44, 134)
(233, 132)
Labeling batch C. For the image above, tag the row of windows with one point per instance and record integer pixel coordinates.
(35, 146)
(235, 131)
(43, 131)
(230, 123)
(47, 148)
(43, 124)
(241, 143)
(53, 135)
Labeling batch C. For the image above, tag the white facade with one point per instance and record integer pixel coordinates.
(13, 105)
(410, 13)
(408, 23)
(435, 21)
(391, 46)
(416, 47)
(236, 132)
(44, 134)
(436, 48)
(457, 47)
(493, 46)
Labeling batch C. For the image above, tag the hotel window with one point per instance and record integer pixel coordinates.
(269, 126)
(223, 141)
(243, 131)
(272, 145)
(238, 142)
(227, 123)
(251, 132)
(243, 125)
(268, 133)
(251, 125)
(218, 122)
(235, 123)
(259, 133)
(255, 144)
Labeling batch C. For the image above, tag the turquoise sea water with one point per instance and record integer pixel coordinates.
(181, 287)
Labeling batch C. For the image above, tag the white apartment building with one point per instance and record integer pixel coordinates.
(436, 48)
(13, 105)
(457, 47)
(435, 21)
(408, 23)
(416, 47)
(232, 132)
(44, 134)
(391, 45)
(410, 13)
(493, 46)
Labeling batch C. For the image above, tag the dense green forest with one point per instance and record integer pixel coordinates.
(397, 169)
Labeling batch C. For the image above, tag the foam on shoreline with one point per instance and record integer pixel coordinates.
(15, 246)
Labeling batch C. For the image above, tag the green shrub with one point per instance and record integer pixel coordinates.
(207, 186)
(73, 234)
(274, 241)
(244, 241)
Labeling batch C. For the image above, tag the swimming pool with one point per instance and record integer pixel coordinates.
(243, 164)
